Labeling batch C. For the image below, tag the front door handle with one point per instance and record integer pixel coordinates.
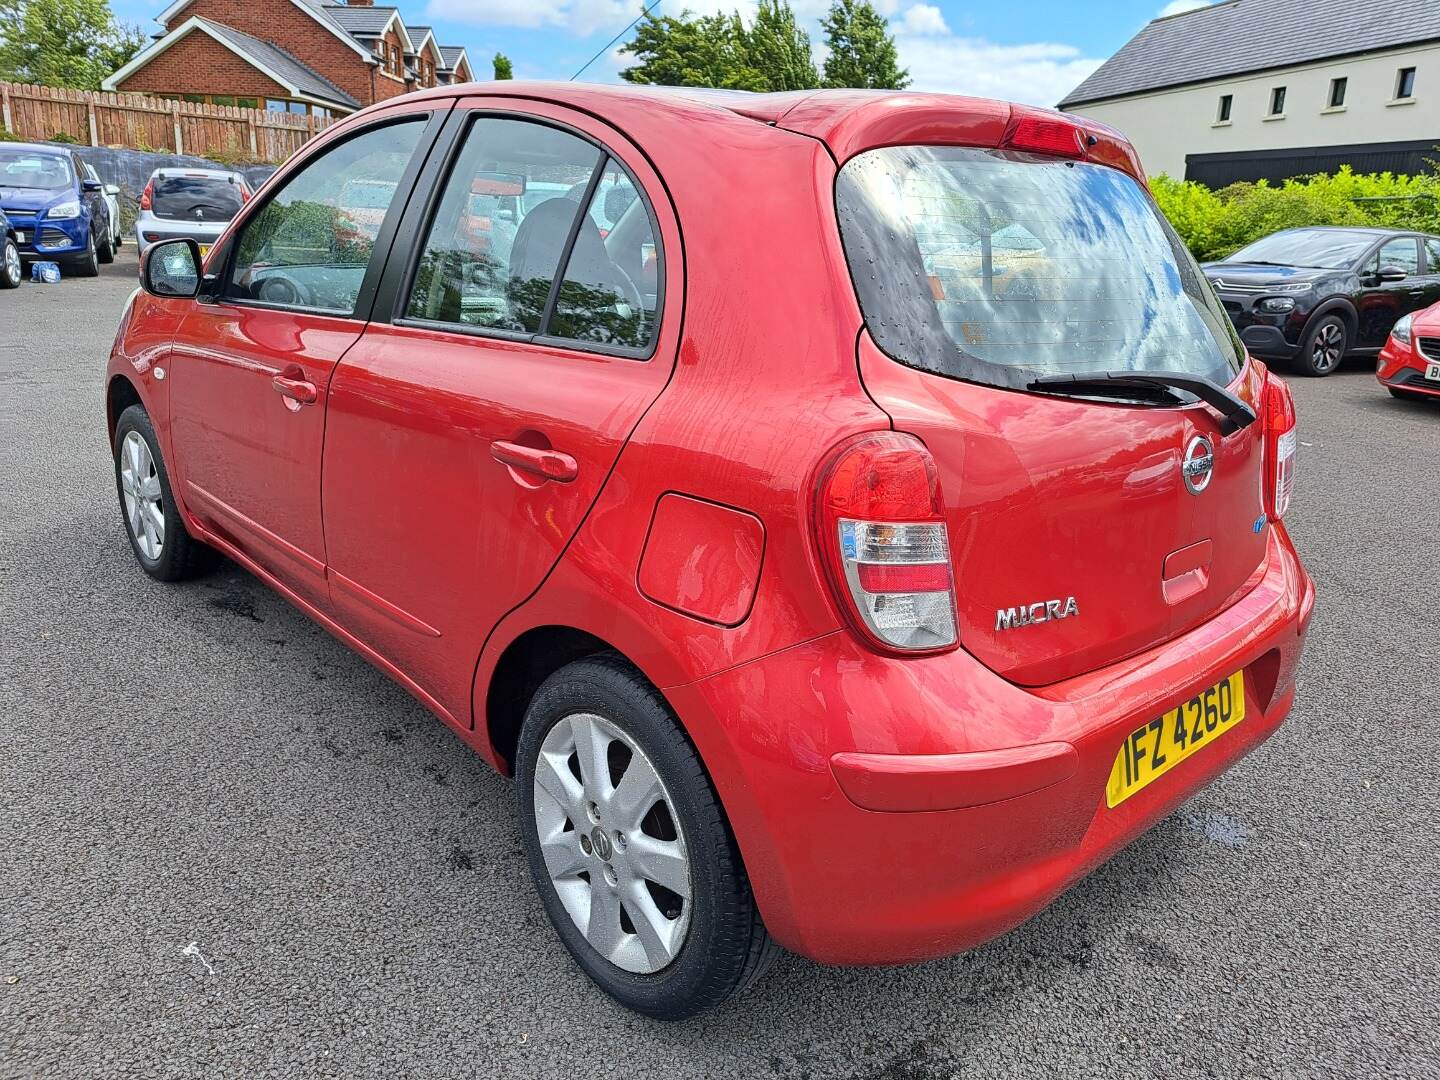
(300, 391)
(546, 464)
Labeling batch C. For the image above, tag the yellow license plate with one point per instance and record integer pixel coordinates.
(1153, 749)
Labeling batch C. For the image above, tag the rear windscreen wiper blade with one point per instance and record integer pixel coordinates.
(1234, 412)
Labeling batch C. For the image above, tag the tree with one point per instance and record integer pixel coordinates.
(721, 51)
(74, 43)
(502, 67)
(862, 52)
(779, 50)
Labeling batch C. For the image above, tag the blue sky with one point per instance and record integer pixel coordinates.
(1023, 50)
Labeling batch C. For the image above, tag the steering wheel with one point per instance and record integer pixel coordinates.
(281, 289)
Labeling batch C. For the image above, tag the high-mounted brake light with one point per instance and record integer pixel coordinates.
(147, 195)
(1278, 408)
(1045, 136)
(882, 533)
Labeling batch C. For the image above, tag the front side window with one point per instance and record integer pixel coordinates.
(1402, 253)
(996, 267)
(522, 199)
(311, 243)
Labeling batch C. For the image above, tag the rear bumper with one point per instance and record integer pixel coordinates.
(897, 810)
(151, 231)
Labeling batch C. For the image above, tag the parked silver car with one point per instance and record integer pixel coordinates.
(194, 203)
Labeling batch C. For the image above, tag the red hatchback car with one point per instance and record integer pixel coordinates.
(869, 534)
(1409, 364)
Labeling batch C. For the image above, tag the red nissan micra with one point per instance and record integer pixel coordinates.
(1409, 364)
(849, 516)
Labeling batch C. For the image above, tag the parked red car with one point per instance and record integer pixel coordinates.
(1409, 364)
(847, 551)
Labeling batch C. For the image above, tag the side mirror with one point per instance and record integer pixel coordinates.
(1391, 273)
(91, 185)
(112, 189)
(171, 269)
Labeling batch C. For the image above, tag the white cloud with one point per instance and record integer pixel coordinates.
(1179, 7)
(921, 20)
(1039, 73)
(579, 17)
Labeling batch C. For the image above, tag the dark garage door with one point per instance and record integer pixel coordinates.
(1217, 170)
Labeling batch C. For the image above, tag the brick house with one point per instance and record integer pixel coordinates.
(300, 56)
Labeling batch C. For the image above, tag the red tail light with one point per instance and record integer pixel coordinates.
(147, 195)
(244, 195)
(882, 535)
(1278, 410)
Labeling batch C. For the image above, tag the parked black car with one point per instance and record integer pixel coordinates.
(1310, 296)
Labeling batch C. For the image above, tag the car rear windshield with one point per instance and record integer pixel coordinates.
(1323, 249)
(995, 266)
(196, 198)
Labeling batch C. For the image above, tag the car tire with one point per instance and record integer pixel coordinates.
(1324, 347)
(87, 265)
(697, 951)
(169, 552)
(12, 271)
(105, 252)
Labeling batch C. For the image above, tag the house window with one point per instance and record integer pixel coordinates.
(248, 102)
(1277, 101)
(1223, 115)
(196, 99)
(1337, 92)
(1405, 84)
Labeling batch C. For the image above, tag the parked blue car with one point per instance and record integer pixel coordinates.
(58, 213)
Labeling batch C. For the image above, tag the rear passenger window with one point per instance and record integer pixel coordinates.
(310, 245)
(1432, 254)
(522, 199)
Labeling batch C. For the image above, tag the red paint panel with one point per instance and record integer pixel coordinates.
(703, 559)
(906, 783)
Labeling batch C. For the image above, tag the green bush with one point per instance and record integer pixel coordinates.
(1216, 223)
(63, 137)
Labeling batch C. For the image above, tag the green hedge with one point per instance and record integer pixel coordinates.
(1216, 223)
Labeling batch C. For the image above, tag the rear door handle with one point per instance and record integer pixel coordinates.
(297, 390)
(546, 464)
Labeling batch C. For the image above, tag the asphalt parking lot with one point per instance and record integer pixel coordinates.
(231, 848)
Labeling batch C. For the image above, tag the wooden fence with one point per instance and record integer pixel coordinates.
(100, 118)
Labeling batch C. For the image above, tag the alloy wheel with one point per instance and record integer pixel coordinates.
(13, 269)
(1328, 348)
(140, 484)
(612, 843)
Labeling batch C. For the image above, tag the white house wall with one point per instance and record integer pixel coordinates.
(1166, 125)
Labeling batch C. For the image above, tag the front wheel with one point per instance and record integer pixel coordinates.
(11, 270)
(629, 847)
(1324, 346)
(105, 251)
(87, 265)
(157, 535)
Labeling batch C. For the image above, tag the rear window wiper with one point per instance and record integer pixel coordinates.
(1235, 414)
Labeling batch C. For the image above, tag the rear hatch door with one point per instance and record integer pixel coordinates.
(1075, 537)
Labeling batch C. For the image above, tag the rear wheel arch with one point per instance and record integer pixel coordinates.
(527, 662)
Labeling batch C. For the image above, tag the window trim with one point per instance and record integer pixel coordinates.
(1278, 96)
(1400, 74)
(463, 121)
(1224, 108)
(1342, 84)
(433, 120)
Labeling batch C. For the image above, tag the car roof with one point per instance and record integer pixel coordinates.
(848, 121)
(39, 148)
(212, 174)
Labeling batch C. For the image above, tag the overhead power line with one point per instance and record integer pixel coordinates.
(646, 11)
